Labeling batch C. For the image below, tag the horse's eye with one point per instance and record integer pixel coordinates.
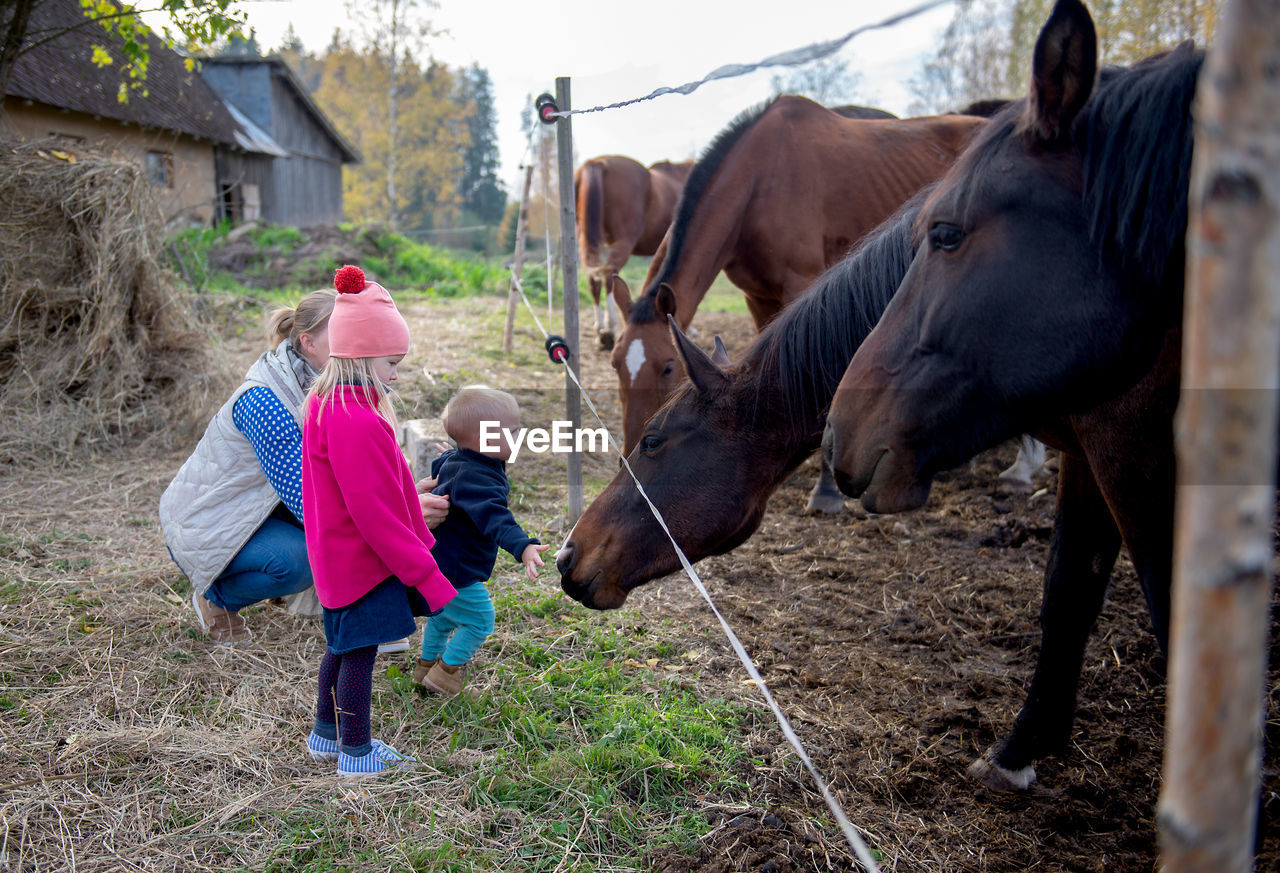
(946, 237)
(668, 369)
(651, 442)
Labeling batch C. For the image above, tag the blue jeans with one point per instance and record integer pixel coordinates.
(456, 632)
(272, 564)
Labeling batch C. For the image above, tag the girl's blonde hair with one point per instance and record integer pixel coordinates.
(476, 403)
(351, 371)
(310, 315)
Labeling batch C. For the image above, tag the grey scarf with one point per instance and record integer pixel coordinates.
(302, 369)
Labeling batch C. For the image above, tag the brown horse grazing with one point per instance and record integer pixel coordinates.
(1046, 293)
(626, 207)
(730, 436)
(781, 193)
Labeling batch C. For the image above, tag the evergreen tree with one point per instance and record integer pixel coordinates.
(482, 194)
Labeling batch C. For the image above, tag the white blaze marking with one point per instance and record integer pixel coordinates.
(635, 358)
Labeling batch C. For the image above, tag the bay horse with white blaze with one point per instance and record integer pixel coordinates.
(1046, 295)
(781, 194)
(626, 207)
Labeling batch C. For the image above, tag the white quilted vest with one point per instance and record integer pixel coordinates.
(220, 496)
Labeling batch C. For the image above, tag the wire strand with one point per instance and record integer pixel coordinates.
(850, 832)
(791, 58)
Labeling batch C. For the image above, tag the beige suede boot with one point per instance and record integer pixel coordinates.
(445, 678)
(421, 669)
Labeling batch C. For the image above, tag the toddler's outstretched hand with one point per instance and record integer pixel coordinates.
(531, 557)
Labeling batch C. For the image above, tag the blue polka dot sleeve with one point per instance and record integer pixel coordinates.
(277, 441)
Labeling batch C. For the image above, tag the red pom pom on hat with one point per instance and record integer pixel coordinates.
(349, 280)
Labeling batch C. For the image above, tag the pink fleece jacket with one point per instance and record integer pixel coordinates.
(360, 508)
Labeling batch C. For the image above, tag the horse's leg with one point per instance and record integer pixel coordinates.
(594, 284)
(619, 252)
(1030, 459)
(825, 496)
(1081, 556)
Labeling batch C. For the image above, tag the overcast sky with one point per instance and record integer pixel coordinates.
(614, 51)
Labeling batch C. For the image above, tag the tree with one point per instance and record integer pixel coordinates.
(306, 66)
(826, 81)
(986, 49)
(482, 194)
(973, 62)
(196, 23)
(431, 136)
(395, 32)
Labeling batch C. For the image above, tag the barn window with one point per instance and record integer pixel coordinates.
(159, 167)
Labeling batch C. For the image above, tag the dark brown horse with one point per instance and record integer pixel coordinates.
(781, 194)
(727, 439)
(1046, 294)
(626, 207)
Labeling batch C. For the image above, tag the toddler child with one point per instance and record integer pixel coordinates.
(479, 522)
(369, 548)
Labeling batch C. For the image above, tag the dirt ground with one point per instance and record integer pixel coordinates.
(899, 646)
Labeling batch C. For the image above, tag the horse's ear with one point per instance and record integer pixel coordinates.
(720, 357)
(621, 295)
(665, 301)
(702, 371)
(1063, 70)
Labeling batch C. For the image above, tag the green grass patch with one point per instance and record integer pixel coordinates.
(580, 750)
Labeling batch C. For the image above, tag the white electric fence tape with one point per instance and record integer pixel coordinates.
(850, 832)
(791, 58)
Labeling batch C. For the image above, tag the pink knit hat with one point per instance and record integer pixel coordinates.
(365, 322)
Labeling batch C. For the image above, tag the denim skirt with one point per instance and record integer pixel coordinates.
(384, 614)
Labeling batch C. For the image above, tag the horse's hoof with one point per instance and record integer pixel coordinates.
(1015, 480)
(830, 504)
(997, 778)
(606, 340)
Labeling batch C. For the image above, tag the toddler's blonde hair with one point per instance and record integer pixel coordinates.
(351, 371)
(476, 403)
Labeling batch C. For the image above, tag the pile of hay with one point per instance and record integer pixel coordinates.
(97, 344)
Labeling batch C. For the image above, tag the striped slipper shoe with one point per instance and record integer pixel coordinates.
(381, 757)
(322, 749)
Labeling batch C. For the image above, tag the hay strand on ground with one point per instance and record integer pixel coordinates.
(97, 343)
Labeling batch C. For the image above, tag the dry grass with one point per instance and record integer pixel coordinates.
(127, 742)
(97, 346)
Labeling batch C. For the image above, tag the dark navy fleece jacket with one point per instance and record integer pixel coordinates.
(479, 521)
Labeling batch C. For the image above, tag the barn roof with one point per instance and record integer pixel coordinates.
(281, 70)
(58, 70)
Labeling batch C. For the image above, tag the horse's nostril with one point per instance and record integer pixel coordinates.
(829, 445)
(564, 560)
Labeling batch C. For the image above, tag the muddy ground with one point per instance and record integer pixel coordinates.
(899, 646)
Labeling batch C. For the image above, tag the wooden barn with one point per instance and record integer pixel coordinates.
(263, 151)
(301, 182)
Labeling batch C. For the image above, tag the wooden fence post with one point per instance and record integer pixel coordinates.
(569, 267)
(1226, 430)
(517, 268)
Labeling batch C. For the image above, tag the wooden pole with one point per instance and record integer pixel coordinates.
(1226, 429)
(569, 268)
(513, 296)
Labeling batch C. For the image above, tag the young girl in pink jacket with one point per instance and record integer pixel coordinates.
(369, 548)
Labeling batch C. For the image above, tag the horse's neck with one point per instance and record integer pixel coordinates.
(707, 240)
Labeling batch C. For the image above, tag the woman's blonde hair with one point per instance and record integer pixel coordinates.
(476, 403)
(310, 315)
(351, 371)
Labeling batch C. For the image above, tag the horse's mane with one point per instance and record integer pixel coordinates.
(808, 347)
(1135, 138)
(642, 310)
